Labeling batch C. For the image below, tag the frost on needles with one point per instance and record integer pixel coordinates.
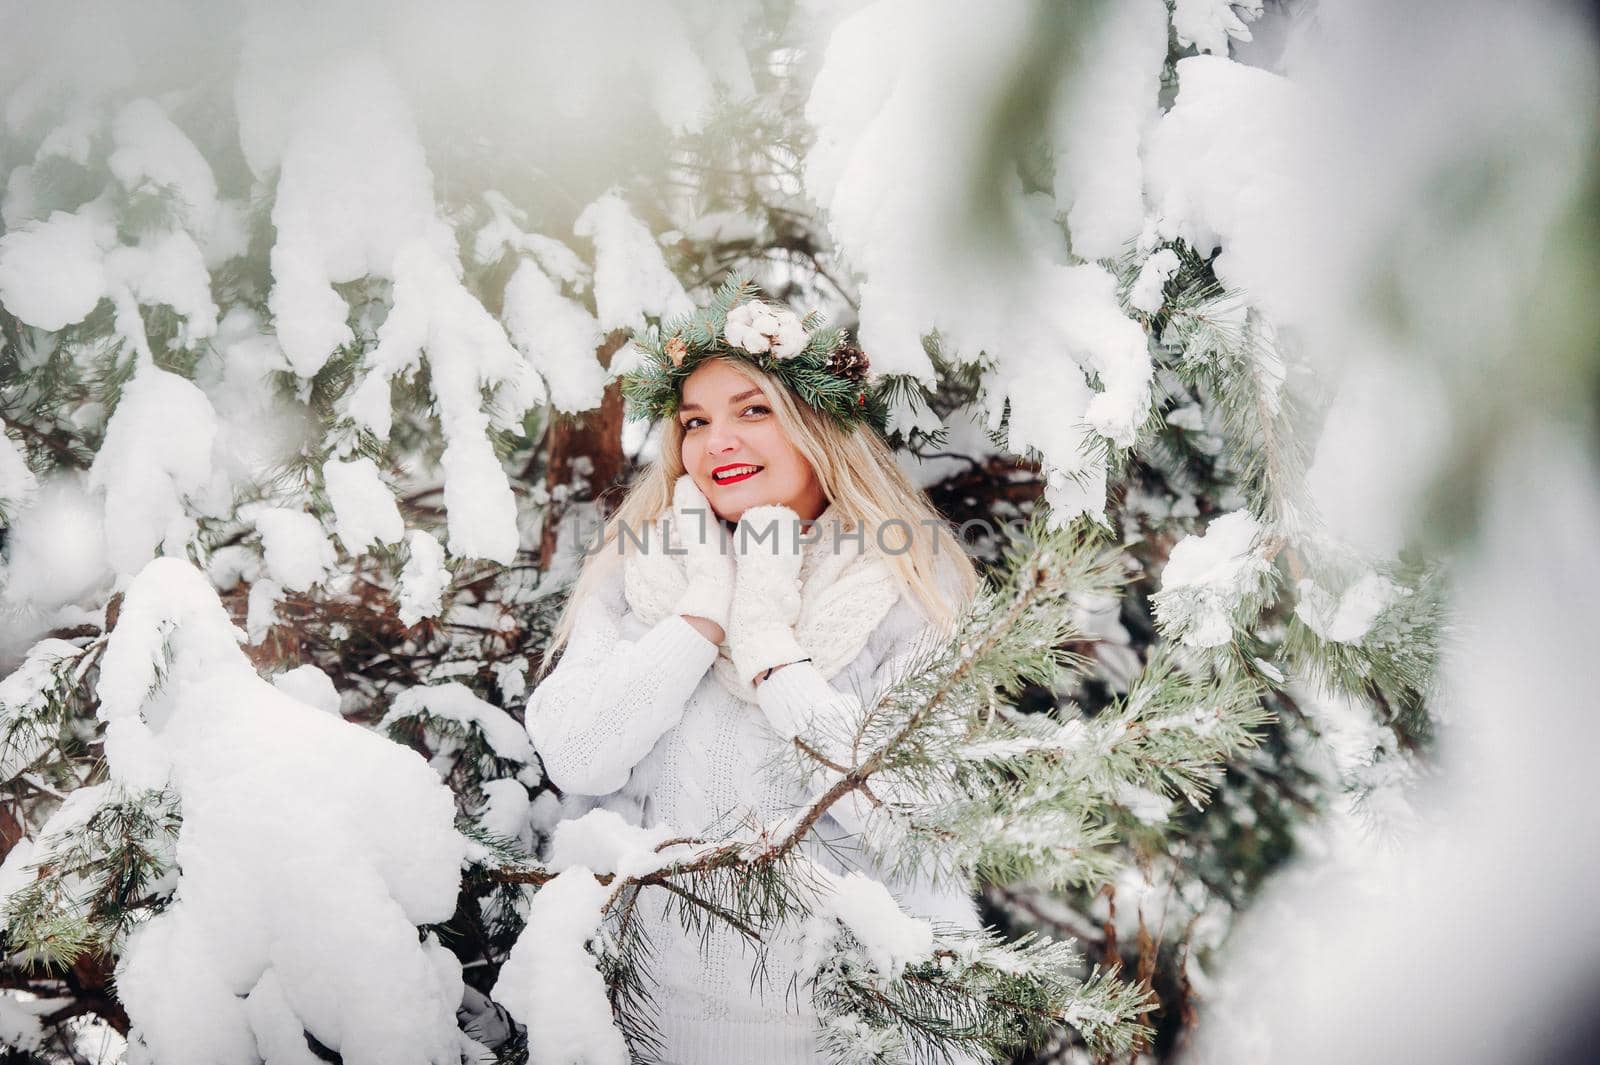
(264, 311)
(940, 772)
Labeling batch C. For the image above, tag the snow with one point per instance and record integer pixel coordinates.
(1220, 171)
(1074, 492)
(306, 866)
(156, 455)
(162, 269)
(20, 1027)
(229, 235)
(1066, 738)
(364, 509)
(467, 351)
(511, 677)
(1453, 387)
(259, 430)
(23, 695)
(1110, 100)
(423, 579)
(72, 140)
(1389, 424)
(507, 811)
(727, 227)
(1040, 399)
(14, 873)
(1146, 294)
(134, 660)
(1093, 328)
(17, 482)
(1052, 408)
(309, 685)
(354, 189)
(558, 335)
(1217, 556)
(454, 701)
(889, 938)
(1207, 24)
(1495, 90)
(631, 279)
(151, 153)
(55, 549)
(52, 273)
(549, 981)
(296, 550)
(1190, 417)
(1208, 575)
(75, 811)
(1313, 961)
(277, 1030)
(909, 412)
(503, 232)
(17, 204)
(261, 609)
(681, 92)
(1149, 807)
(901, 108)
(1347, 617)
(892, 107)
(902, 99)
(603, 842)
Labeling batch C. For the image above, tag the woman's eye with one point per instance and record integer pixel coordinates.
(692, 423)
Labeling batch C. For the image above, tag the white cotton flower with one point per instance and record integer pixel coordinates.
(740, 330)
(790, 338)
(750, 326)
(759, 328)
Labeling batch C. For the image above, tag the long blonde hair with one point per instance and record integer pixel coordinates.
(858, 474)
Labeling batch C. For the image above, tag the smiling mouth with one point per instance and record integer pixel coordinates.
(734, 474)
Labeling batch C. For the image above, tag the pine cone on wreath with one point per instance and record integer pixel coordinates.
(677, 350)
(848, 362)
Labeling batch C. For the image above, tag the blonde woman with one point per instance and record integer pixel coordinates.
(772, 565)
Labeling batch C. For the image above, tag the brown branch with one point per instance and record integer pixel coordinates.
(730, 856)
(709, 907)
(57, 441)
(1070, 925)
(819, 756)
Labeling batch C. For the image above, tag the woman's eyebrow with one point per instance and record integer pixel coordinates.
(731, 399)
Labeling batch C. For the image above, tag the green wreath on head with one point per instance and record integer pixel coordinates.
(817, 364)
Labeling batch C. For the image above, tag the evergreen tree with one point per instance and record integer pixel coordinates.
(376, 410)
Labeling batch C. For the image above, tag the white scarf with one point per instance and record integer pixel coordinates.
(846, 589)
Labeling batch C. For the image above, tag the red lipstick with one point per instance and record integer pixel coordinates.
(734, 466)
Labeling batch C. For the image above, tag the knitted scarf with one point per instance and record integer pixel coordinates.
(846, 589)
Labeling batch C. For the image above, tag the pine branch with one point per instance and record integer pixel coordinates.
(933, 715)
(95, 881)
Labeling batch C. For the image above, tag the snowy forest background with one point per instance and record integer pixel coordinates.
(311, 316)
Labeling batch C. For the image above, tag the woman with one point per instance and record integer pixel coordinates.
(723, 613)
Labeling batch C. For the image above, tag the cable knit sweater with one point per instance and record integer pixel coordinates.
(634, 717)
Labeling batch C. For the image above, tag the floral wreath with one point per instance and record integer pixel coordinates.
(817, 364)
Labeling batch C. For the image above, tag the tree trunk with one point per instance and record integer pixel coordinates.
(585, 454)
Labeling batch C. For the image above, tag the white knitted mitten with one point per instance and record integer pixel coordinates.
(708, 555)
(766, 592)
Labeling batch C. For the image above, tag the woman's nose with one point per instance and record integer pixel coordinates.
(720, 441)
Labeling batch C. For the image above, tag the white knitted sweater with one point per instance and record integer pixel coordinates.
(634, 717)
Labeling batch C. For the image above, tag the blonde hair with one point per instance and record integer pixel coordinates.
(860, 478)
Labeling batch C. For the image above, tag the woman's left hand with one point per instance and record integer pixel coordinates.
(766, 591)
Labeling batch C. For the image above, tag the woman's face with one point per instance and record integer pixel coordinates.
(728, 430)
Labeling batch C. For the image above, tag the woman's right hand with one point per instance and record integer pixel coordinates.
(707, 561)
